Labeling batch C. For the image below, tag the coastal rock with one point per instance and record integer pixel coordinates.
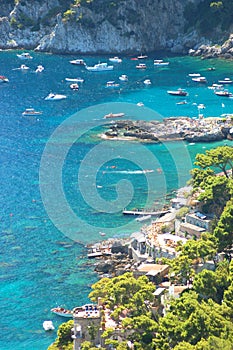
(105, 267)
(173, 128)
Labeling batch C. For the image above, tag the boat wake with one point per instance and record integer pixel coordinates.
(133, 172)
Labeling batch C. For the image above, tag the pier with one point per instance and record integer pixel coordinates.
(145, 212)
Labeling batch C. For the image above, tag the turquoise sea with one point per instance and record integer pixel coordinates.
(61, 185)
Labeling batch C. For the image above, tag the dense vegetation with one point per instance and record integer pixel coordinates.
(207, 15)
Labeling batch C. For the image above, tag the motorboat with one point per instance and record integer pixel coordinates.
(112, 84)
(61, 311)
(178, 92)
(147, 82)
(140, 104)
(141, 57)
(74, 86)
(215, 86)
(225, 81)
(223, 93)
(31, 112)
(39, 69)
(115, 59)
(74, 80)
(160, 63)
(24, 56)
(78, 62)
(48, 326)
(24, 67)
(123, 77)
(99, 67)
(193, 75)
(54, 97)
(114, 115)
(3, 79)
(141, 66)
(199, 79)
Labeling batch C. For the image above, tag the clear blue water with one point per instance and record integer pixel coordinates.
(61, 185)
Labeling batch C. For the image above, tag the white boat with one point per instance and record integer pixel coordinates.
(60, 311)
(123, 77)
(160, 63)
(140, 104)
(178, 92)
(215, 86)
(79, 62)
(54, 97)
(200, 79)
(99, 67)
(74, 86)
(225, 81)
(3, 79)
(24, 67)
(141, 66)
(39, 69)
(223, 93)
(114, 115)
(74, 80)
(24, 56)
(141, 57)
(112, 84)
(31, 112)
(147, 82)
(48, 326)
(194, 75)
(115, 59)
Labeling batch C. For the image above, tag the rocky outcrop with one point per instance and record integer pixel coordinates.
(213, 51)
(175, 128)
(100, 26)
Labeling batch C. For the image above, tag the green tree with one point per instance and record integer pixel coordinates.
(143, 327)
(63, 340)
(224, 229)
(219, 158)
(124, 292)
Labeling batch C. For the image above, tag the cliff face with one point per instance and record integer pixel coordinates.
(101, 26)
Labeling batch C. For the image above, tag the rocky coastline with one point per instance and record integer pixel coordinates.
(207, 51)
(171, 129)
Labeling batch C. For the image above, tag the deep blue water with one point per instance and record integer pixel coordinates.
(61, 185)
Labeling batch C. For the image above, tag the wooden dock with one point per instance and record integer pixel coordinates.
(145, 212)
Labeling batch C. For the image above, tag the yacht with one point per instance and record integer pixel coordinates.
(115, 59)
(31, 112)
(24, 56)
(78, 62)
(160, 63)
(99, 67)
(54, 97)
(178, 92)
(123, 77)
